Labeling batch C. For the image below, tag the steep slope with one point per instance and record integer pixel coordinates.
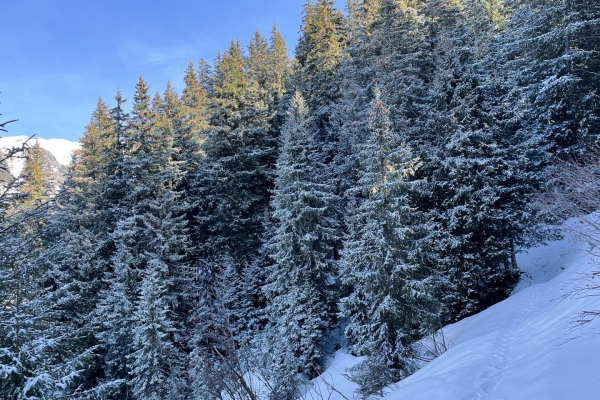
(526, 347)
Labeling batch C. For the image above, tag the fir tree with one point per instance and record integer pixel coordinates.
(279, 65)
(79, 257)
(195, 104)
(234, 182)
(390, 304)
(301, 289)
(35, 175)
(550, 52)
(158, 358)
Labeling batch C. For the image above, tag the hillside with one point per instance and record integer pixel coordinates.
(237, 220)
(526, 347)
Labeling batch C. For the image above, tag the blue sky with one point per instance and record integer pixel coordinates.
(57, 57)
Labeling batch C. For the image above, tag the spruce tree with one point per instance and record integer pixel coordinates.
(149, 241)
(90, 162)
(78, 258)
(22, 315)
(258, 64)
(279, 65)
(234, 182)
(358, 79)
(301, 289)
(318, 54)
(126, 263)
(35, 176)
(566, 65)
(233, 186)
(390, 304)
(489, 167)
(236, 150)
(158, 359)
(195, 105)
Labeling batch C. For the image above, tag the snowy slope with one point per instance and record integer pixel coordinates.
(61, 149)
(524, 348)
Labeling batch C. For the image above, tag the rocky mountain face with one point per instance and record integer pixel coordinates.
(5, 174)
(56, 171)
(57, 152)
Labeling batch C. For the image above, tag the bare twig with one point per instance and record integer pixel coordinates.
(573, 191)
(3, 124)
(332, 388)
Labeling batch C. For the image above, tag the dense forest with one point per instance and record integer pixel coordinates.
(361, 195)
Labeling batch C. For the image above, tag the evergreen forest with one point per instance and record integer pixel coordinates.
(361, 195)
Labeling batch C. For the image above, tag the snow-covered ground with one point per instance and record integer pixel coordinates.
(525, 347)
(61, 149)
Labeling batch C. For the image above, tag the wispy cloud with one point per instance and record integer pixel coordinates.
(163, 61)
(136, 53)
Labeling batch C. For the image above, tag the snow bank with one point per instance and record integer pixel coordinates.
(332, 384)
(525, 347)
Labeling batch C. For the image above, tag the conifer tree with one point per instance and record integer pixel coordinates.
(195, 104)
(90, 161)
(234, 182)
(233, 187)
(268, 65)
(35, 175)
(22, 353)
(206, 76)
(79, 256)
(430, 75)
(279, 64)
(315, 73)
(182, 249)
(359, 70)
(301, 290)
(549, 55)
(126, 263)
(318, 53)
(72, 249)
(315, 76)
(143, 320)
(258, 64)
(488, 168)
(158, 360)
(390, 304)
(186, 133)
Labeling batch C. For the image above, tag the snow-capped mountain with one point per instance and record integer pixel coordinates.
(60, 149)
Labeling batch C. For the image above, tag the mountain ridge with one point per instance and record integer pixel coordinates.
(61, 151)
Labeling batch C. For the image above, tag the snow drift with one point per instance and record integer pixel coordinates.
(526, 347)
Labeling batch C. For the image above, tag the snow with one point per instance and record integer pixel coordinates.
(526, 347)
(61, 149)
(332, 384)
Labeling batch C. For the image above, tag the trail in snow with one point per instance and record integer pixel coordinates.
(519, 349)
(523, 348)
(501, 356)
